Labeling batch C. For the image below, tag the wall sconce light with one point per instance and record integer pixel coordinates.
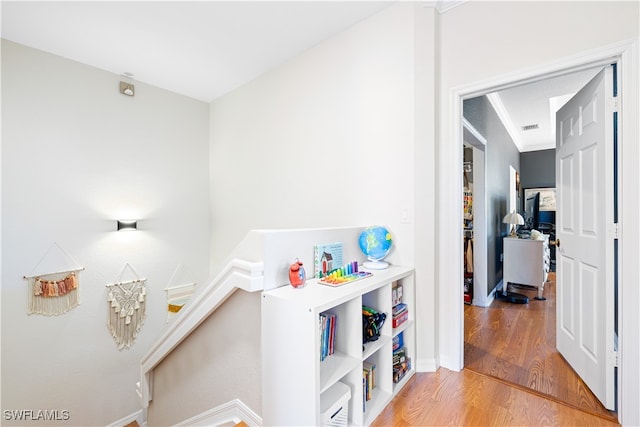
(127, 89)
(127, 224)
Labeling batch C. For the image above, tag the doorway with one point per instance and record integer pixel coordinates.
(450, 317)
(538, 367)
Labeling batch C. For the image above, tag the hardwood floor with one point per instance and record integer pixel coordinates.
(513, 376)
(467, 398)
(516, 343)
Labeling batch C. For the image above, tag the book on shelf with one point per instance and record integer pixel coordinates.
(327, 334)
(400, 314)
(334, 319)
(400, 370)
(366, 390)
(369, 372)
(399, 355)
(364, 393)
(322, 326)
(396, 293)
(401, 364)
(326, 258)
(399, 309)
(398, 341)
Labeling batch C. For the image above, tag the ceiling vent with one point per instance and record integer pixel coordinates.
(530, 127)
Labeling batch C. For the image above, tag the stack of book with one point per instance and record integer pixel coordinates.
(369, 381)
(396, 293)
(401, 364)
(327, 334)
(400, 314)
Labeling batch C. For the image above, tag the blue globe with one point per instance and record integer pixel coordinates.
(375, 243)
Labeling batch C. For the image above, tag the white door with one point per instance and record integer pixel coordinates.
(584, 231)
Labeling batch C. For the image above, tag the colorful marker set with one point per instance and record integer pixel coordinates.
(343, 275)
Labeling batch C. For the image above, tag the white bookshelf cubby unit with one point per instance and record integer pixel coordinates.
(294, 378)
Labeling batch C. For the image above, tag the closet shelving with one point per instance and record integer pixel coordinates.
(468, 229)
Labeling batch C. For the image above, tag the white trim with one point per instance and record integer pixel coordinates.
(505, 118)
(471, 134)
(480, 263)
(137, 416)
(237, 274)
(537, 147)
(171, 288)
(629, 182)
(449, 242)
(443, 6)
(450, 313)
(492, 295)
(478, 143)
(426, 365)
(231, 412)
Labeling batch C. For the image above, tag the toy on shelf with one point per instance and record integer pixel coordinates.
(297, 275)
(375, 242)
(346, 274)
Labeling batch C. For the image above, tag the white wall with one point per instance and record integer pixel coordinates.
(324, 140)
(217, 363)
(329, 139)
(76, 155)
(482, 43)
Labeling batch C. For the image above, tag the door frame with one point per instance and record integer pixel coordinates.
(450, 317)
(474, 139)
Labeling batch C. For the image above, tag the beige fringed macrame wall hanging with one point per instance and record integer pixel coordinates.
(54, 290)
(126, 310)
(53, 294)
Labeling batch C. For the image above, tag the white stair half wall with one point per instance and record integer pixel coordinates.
(260, 262)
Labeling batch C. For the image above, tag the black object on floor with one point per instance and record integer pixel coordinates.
(513, 297)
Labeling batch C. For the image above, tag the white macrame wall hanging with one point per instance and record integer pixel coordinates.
(53, 285)
(127, 312)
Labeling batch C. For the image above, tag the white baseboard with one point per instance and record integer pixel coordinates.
(426, 365)
(492, 294)
(233, 411)
(137, 416)
(480, 301)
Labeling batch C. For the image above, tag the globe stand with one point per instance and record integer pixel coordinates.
(375, 265)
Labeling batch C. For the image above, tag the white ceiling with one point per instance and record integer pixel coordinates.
(536, 104)
(204, 49)
(201, 49)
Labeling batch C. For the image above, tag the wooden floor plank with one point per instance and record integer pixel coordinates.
(516, 343)
(467, 398)
(513, 376)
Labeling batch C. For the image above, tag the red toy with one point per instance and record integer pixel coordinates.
(297, 275)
